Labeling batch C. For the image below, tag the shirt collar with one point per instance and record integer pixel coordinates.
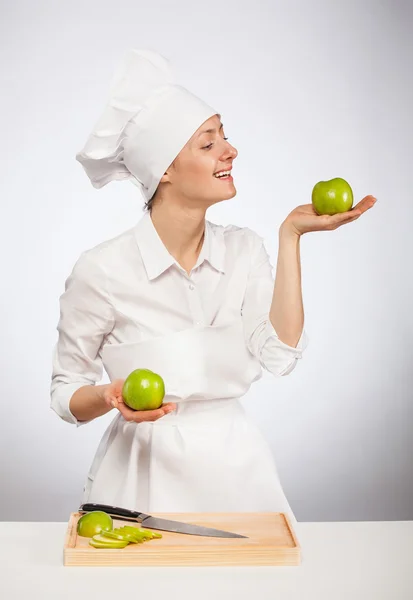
(156, 257)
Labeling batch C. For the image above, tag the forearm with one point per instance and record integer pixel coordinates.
(287, 311)
(87, 402)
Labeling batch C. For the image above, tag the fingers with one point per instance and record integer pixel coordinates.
(140, 416)
(364, 204)
(334, 221)
(113, 393)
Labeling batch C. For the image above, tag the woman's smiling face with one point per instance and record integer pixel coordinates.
(191, 178)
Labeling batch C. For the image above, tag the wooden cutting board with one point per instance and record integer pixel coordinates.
(271, 541)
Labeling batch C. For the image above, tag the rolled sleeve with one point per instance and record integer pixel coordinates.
(86, 317)
(261, 338)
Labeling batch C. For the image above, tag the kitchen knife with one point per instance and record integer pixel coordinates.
(156, 523)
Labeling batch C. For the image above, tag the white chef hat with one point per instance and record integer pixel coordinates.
(147, 121)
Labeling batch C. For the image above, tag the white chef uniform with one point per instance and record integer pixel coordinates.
(128, 304)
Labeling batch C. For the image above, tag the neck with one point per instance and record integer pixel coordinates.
(181, 231)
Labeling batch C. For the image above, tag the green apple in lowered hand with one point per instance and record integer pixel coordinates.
(332, 197)
(143, 390)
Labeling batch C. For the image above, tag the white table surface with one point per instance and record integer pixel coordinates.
(351, 561)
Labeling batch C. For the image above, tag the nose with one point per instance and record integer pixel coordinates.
(230, 151)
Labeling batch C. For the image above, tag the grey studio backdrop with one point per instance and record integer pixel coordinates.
(307, 91)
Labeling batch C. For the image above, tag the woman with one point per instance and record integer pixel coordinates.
(189, 299)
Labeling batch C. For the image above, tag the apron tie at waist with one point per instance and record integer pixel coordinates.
(201, 412)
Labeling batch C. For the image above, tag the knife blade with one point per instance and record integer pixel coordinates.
(157, 523)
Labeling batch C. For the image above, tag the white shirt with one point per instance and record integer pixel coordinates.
(130, 288)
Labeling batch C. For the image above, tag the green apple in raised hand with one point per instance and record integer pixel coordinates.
(143, 390)
(332, 197)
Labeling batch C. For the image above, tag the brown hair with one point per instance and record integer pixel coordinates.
(148, 204)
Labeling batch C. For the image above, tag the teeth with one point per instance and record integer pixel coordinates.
(222, 174)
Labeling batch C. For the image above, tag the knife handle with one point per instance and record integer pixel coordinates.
(114, 511)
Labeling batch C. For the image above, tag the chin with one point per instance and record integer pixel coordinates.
(230, 194)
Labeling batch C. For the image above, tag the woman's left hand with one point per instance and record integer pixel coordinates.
(304, 219)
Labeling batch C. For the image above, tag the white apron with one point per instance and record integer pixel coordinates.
(208, 455)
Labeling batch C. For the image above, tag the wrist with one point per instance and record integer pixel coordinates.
(288, 232)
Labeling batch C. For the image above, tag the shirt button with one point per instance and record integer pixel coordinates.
(191, 286)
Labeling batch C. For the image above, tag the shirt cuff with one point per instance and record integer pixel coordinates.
(302, 344)
(285, 356)
(61, 399)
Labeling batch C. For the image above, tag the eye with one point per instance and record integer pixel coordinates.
(211, 144)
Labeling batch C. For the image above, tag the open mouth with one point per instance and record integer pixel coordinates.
(224, 176)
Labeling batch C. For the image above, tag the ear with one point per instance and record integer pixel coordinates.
(166, 176)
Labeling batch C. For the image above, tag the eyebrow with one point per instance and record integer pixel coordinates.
(213, 130)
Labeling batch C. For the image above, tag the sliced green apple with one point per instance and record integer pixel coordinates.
(94, 522)
(119, 535)
(135, 533)
(98, 541)
(96, 544)
(146, 533)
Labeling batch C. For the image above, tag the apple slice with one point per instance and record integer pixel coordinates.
(134, 533)
(98, 541)
(145, 533)
(96, 544)
(121, 535)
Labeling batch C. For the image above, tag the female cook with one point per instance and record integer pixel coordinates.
(184, 297)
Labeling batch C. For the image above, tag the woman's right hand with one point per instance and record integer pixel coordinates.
(112, 396)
